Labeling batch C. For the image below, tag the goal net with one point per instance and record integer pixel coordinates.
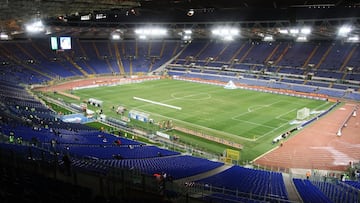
(303, 113)
(230, 85)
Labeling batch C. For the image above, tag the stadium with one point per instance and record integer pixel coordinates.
(180, 101)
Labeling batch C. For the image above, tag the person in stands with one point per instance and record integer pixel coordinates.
(117, 142)
(67, 164)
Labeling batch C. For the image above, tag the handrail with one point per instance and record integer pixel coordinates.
(344, 124)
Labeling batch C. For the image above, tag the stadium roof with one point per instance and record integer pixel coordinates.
(100, 18)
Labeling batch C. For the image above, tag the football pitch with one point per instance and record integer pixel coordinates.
(238, 115)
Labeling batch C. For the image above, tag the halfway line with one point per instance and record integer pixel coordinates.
(157, 103)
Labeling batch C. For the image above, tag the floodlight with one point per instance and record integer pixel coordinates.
(157, 31)
(35, 27)
(85, 17)
(191, 12)
(215, 32)
(294, 31)
(139, 31)
(301, 39)
(151, 31)
(115, 36)
(100, 16)
(225, 33)
(354, 38)
(48, 32)
(147, 31)
(4, 36)
(186, 37)
(188, 32)
(142, 36)
(228, 38)
(284, 31)
(344, 30)
(268, 38)
(261, 34)
(305, 31)
(234, 31)
(349, 68)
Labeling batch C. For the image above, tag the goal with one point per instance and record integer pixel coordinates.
(303, 113)
(230, 85)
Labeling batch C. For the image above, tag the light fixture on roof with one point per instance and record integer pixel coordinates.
(190, 12)
(228, 38)
(344, 30)
(283, 31)
(116, 35)
(353, 38)
(294, 31)
(186, 36)
(62, 18)
(99, 16)
(144, 33)
(85, 17)
(305, 31)
(132, 12)
(151, 31)
(188, 32)
(4, 36)
(268, 38)
(143, 37)
(349, 68)
(301, 39)
(48, 32)
(225, 33)
(35, 27)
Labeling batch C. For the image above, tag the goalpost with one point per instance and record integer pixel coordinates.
(303, 113)
(230, 85)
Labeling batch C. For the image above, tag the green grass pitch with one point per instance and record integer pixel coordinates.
(248, 117)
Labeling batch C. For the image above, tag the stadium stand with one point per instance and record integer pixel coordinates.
(261, 184)
(25, 186)
(309, 192)
(209, 57)
(336, 190)
(355, 184)
(35, 141)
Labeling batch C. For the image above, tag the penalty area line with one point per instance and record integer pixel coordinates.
(157, 103)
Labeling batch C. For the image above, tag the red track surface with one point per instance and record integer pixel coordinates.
(79, 83)
(318, 147)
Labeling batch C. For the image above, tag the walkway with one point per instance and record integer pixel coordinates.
(290, 188)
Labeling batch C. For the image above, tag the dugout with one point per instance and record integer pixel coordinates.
(120, 109)
(89, 113)
(138, 115)
(95, 102)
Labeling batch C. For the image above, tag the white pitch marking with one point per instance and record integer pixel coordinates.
(157, 103)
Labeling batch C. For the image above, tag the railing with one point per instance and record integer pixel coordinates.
(212, 193)
(110, 181)
(344, 124)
